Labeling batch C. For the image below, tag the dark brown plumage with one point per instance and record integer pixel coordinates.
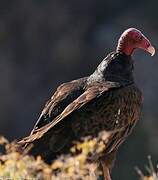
(107, 100)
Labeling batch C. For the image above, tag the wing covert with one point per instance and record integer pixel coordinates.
(90, 93)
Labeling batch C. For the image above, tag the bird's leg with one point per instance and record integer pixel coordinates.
(107, 164)
(106, 171)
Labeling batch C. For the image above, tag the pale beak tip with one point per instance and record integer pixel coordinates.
(151, 50)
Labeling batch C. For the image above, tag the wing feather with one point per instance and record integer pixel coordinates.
(63, 96)
(90, 94)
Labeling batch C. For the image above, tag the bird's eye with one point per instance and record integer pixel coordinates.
(141, 37)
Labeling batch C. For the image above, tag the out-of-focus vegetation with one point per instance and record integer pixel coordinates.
(152, 173)
(79, 164)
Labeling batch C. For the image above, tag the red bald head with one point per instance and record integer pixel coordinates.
(132, 39)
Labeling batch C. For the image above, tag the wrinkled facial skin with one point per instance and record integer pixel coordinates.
(138, 40)
(132, 39)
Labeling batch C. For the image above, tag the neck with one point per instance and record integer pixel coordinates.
(116, 67)
(124, 46)
(120, 69)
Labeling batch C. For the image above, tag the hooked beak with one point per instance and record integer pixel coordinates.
(146, 45)
(151, 50)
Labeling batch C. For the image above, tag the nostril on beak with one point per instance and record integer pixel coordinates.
(147, 44)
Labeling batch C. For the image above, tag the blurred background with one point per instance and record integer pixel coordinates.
(46, 42)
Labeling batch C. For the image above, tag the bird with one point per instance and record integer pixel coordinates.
(107, 100)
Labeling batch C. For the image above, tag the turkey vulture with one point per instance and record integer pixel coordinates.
(107, 100)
